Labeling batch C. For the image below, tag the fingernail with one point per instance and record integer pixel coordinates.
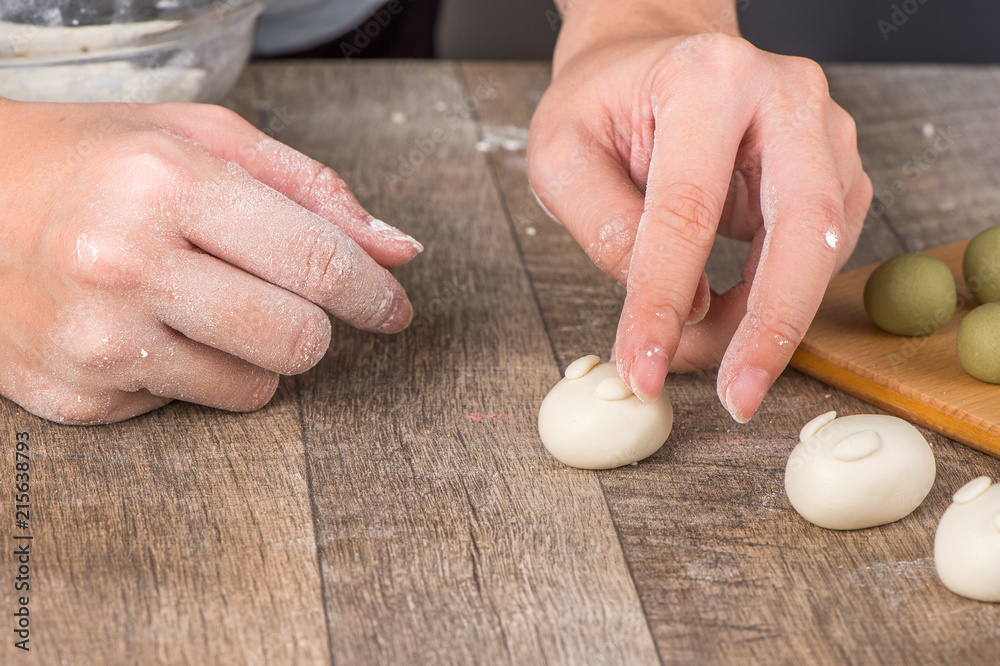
(746, 392)
(698, 312)
(401, 318)
(649, 370)
(702, 302)
(392, 232)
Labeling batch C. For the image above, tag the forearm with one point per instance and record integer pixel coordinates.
(587, 23)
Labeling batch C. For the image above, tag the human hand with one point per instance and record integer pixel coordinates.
(645, 148)
(159, 252)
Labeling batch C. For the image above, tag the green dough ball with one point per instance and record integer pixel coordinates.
(912, 294)
(979, 343)
(981, 266)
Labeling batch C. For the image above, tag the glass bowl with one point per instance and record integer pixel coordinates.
(124, 50)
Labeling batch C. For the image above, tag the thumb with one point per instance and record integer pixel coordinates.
(588, 190)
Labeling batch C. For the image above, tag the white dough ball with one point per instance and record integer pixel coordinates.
(967, 543)
(858, 471)
(591, 420)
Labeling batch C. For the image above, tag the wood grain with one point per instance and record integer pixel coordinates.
(394, 504)
(180, 537)
(446, 533)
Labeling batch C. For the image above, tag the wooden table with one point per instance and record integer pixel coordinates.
(394, 504)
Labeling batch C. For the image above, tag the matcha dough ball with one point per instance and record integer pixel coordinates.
(979, 343)
(981, 266)
(912, 294)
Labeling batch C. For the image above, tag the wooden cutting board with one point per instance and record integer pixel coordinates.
(919, 379)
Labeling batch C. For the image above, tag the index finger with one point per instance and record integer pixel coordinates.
(689, 175)
(231, 215)
(302, 179)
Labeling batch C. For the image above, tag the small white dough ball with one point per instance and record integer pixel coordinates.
(967, 543)
(858, 471)
(591, 420)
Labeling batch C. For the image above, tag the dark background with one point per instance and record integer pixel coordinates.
(829, 30)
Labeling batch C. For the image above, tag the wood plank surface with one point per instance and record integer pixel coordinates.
(726, 570)
(181, 537)
(446, 533)
(394, 504)
(919, 379)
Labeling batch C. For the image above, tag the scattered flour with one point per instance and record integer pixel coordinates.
(508, 137)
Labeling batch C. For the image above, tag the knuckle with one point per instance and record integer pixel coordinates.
(784, 325)
(136, 184)
(154, 154)
(327, 269)
(846, 128)
(321, 179)
(718, 58)
(824, 212)
(100, 258)
(732, 54)
(218, 114)
(88, 343)
(690, 208)
(93, 352)
(809, 75)
(610, 246)
(143, 172)
(718, 49)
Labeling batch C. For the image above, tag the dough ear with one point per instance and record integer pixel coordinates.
(857, 446)
(972, 490)
(817, 424)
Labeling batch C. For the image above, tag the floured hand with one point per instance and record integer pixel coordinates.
(651, 140)
(160, 252)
